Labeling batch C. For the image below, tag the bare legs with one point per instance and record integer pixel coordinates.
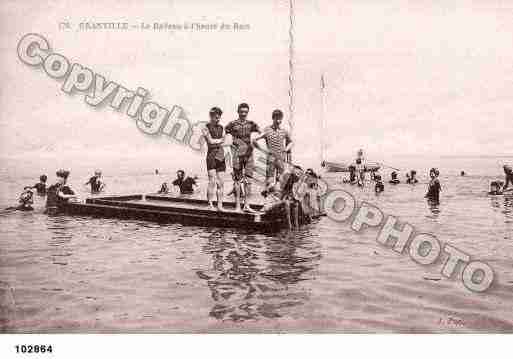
(215, 180)
(239, 192)
(220, 190)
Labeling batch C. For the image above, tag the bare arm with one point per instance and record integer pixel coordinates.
(66, 196)
(289, 143)
(255, 142)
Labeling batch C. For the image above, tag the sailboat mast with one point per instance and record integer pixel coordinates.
(322, 127)
(291, 71)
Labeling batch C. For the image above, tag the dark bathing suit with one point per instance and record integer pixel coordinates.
(95, 184)
(185, 185)
(40, 188)
(241, 147)
(53, 201)
(215, 152)
(509, 180)
(434, 189)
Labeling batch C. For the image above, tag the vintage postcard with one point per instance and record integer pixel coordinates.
(255, 167)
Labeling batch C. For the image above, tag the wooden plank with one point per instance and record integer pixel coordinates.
(204, 218)
(196, 201)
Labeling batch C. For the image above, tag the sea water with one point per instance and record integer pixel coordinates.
(80, 274)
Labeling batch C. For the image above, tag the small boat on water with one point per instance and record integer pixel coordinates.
(166, 208)
(342, 167)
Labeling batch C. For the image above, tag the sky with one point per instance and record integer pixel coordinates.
(410, 78)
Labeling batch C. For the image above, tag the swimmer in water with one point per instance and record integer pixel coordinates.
(352, 174)
(379, 187)
(96, 182)
(25, 201)
(411, 177)
(508, 171)
(185, 184)
(434, 187)
(59, 193)
(496, 188)
(360, 172)
(394, 179)
(41, 186)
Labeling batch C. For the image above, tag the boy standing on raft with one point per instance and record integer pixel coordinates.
(216, 165)
(242, 154)
(278, 144)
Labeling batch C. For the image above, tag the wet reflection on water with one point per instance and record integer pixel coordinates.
(61, 230)
(254, 276)
(434, 208)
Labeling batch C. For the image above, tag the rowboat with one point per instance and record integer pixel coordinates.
(342, 167)
(166, 208)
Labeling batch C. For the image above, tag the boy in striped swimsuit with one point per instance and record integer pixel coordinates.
(278, 144)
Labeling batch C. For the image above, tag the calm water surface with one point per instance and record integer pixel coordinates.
(60, 274)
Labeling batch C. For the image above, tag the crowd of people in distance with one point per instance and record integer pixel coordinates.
(357, 177)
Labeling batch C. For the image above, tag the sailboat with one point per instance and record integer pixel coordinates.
(344, 167)
(332, 166)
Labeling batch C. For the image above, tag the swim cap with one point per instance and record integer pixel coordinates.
(277, 113)
(434, 170)
(62, 173)
(215, 111)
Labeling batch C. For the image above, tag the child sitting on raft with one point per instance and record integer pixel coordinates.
(164, 188)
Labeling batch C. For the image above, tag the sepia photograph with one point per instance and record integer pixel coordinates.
(255, 167)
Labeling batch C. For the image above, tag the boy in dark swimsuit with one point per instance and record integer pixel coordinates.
(186, 185)
(379, 187)
(59, 193)
(394, 179)
(411, 178)
(360, 171)
(96, 183)
(508, 171)
(496, 188)
(41, 186)
(216, 165)
(242, 154)
(434, 187)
